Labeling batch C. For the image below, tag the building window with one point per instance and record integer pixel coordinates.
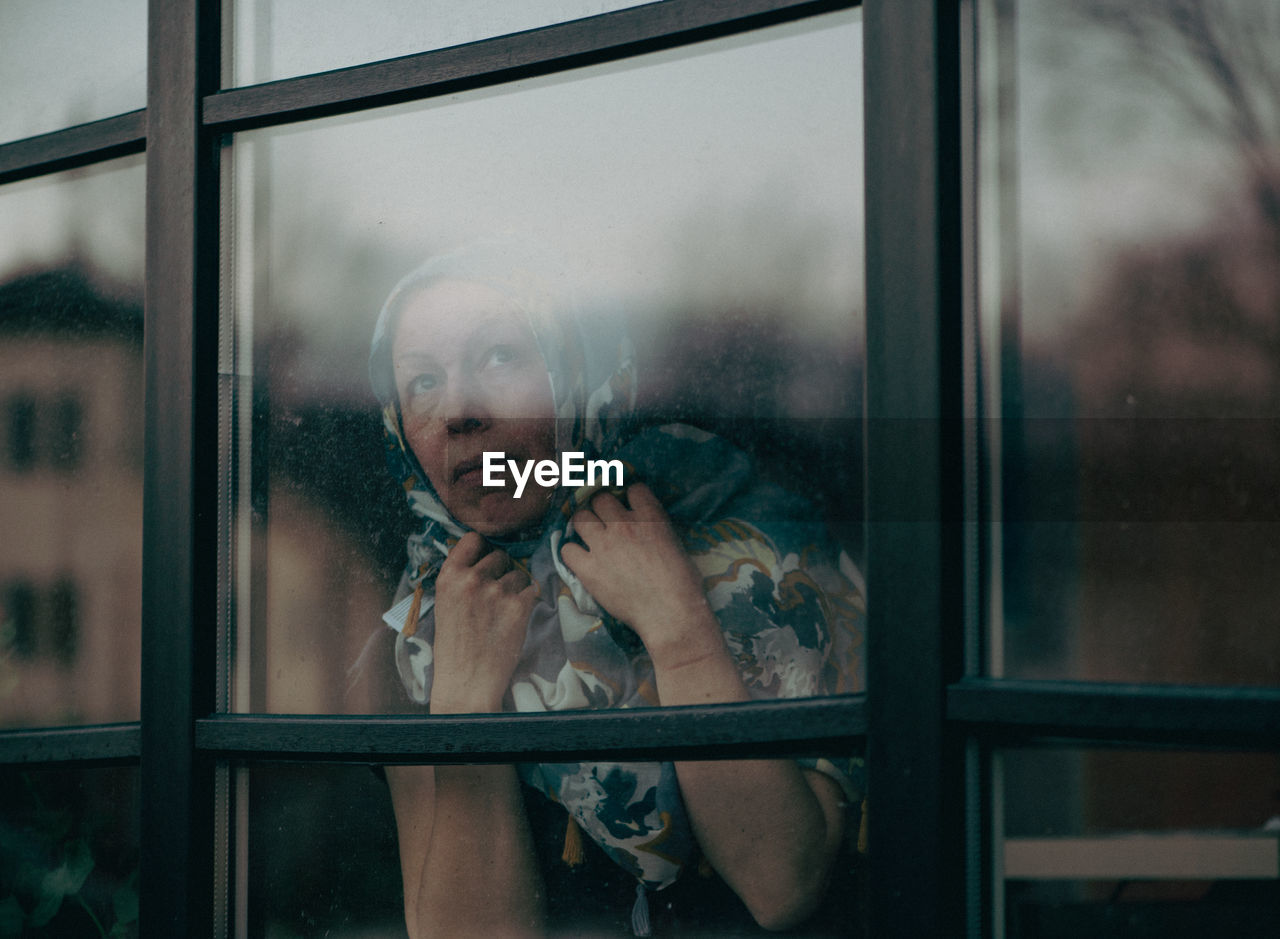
(20, 619)
(42, 621)
(21, 432)
(45, 431)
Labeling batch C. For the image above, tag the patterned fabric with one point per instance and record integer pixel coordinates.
(791, 614)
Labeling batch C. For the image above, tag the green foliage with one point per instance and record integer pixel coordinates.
(47, 865)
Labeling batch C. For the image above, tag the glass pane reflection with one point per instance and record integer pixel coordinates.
(65, 62)
(1130, 274)
(69, 852)
(71, 446)
(1138, 843)
(322, 858)
(276, 39)
(707, 199)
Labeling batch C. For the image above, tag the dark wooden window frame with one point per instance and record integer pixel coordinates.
(929, 720)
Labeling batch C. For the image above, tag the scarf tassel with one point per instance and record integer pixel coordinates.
(572, 854)
(411, 621)
(640, 912)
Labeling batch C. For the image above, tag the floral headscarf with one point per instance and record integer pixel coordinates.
(791, 615)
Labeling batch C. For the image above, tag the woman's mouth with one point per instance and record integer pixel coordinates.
(469, 472)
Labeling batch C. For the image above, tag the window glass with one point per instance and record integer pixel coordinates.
(65, 62)
(275, 39)
(1129, 276)
(707, 201)
(336, 872)
(69, 852)
(1165, 843)
(324, 860)
(70, 472)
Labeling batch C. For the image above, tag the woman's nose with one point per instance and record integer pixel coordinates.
(464, 425)
(465, 410)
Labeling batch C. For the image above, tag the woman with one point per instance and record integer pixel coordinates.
(695, 584)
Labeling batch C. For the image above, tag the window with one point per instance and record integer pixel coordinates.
(54, 423)
(1062, 398)
(41, 622)
(71, 284)
(72, 62)
(703, 200)
(1132, 411)
(22, 419)
(20, 620)
(71, 246)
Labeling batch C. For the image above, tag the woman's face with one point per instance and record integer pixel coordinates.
(471, 378)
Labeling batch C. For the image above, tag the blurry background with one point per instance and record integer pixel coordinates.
(1130, 252)
(1129, 233)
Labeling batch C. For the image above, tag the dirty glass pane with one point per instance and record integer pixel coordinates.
(1129, 273)
(1139, 843)
(321, 856)
(275, 39)
(71, 446)
(69, 852)
(707, 201)
(322, 859)
(64, 62)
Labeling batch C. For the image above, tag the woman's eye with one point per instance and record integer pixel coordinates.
(421, 384)
(502, 355)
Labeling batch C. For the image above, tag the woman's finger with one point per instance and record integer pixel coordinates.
(514, 580)
(608, 508)
(641, 499)
(469, 549)
(586, 523)
(494, 564)
(572, 554)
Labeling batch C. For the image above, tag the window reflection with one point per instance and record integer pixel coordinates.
(65, 62)
(730, 253)
(1132, 268)
(69, 852)
(323, 857)
(325, 861)
(654, 261)
(1167, 844)
(276, 39)
(70, 471)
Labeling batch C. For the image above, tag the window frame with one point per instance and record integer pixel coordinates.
(931, 814)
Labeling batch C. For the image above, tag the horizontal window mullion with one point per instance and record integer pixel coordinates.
(106, 139)
(775, 728)
(1186, 715)
(97, 743)
(489, 61)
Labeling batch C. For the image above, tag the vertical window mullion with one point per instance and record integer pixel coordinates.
(179, 489)
(915, 491)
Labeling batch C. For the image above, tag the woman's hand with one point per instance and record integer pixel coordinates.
(466, 854)
(635, 566)
(482, 608)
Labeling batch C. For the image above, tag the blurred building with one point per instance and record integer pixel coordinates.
(70, 499)
(71, 512)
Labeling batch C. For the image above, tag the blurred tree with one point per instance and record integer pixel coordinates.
(1220, 59)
